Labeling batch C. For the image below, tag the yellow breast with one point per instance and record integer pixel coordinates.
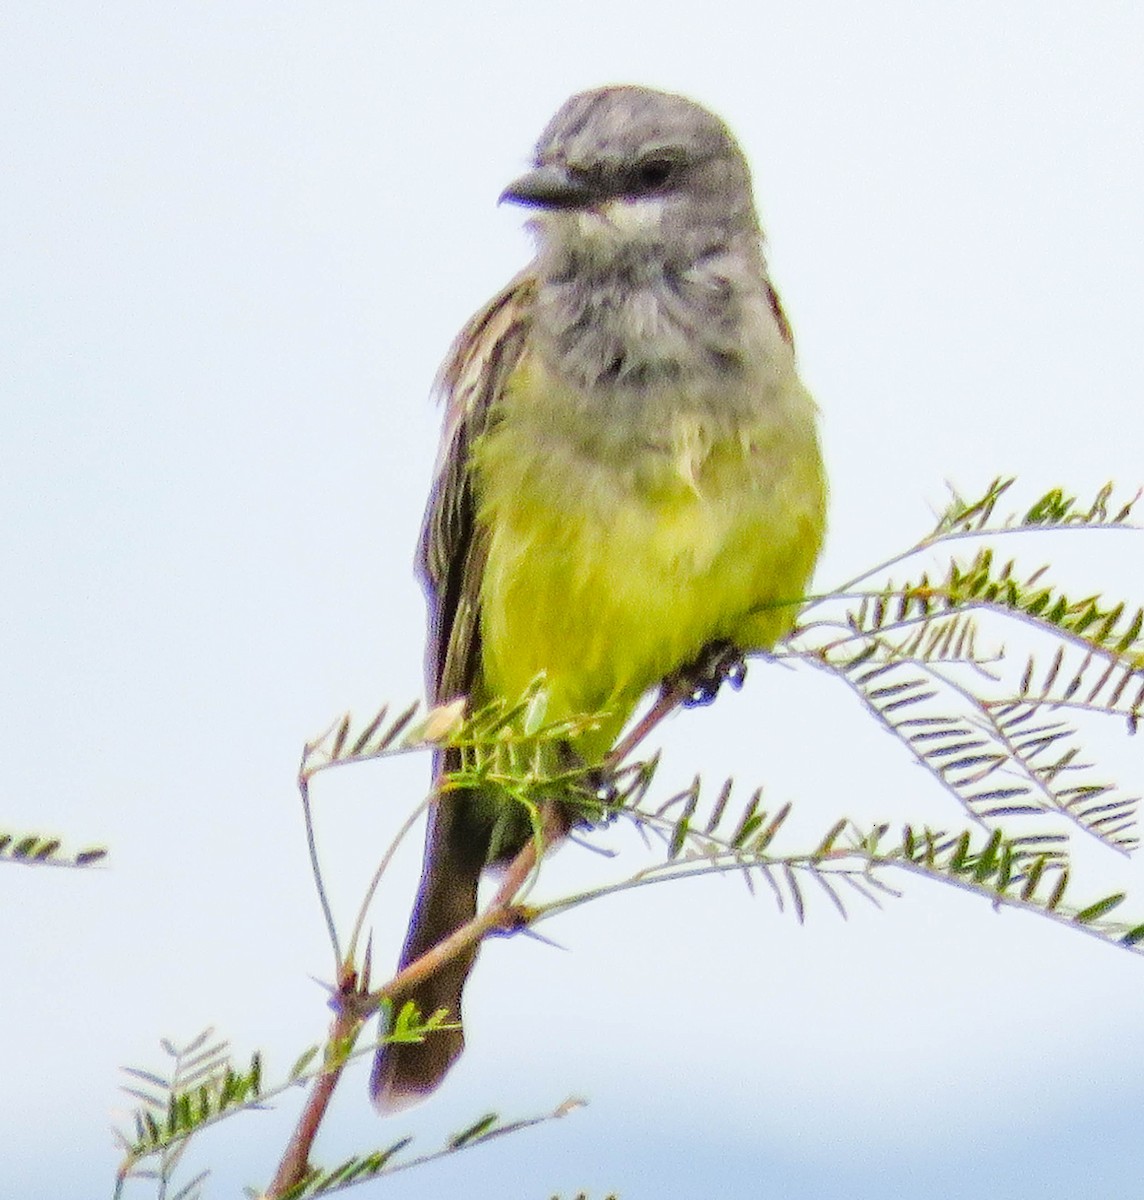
(622, 543)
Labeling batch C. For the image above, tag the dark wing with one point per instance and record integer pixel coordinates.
(452, 552)
(451, 563)
(780, 316)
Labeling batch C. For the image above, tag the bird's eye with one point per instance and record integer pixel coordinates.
(653, 174)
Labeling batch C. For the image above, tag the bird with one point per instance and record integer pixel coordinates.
(630, 474)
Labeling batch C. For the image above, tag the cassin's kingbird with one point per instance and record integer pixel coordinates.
(629, 473)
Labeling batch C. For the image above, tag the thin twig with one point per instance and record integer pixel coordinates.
(382, 867)
(502, 914)
(964, 535)
(344, 1030)
(315, 865)
(354, 1007)
(670, 697)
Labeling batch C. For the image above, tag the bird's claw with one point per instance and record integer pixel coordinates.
(718, 663)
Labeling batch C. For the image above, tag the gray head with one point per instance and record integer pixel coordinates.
(633, 173)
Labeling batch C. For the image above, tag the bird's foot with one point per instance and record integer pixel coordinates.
(718, 663)
(592, 791)
(600, 785)
(594, 799)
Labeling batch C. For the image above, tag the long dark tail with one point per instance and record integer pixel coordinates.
(446, 900)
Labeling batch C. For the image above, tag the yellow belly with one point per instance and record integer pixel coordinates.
(610, 566)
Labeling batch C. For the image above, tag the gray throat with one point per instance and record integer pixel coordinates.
(635, 320)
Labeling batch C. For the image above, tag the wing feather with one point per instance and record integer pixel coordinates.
(452, 552)
(780, 316)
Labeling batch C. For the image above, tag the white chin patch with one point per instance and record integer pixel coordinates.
(622, 220)
(605, 231)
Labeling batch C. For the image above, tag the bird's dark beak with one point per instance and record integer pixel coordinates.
(550, 186)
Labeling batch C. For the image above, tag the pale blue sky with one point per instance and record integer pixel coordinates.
(234, 245)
